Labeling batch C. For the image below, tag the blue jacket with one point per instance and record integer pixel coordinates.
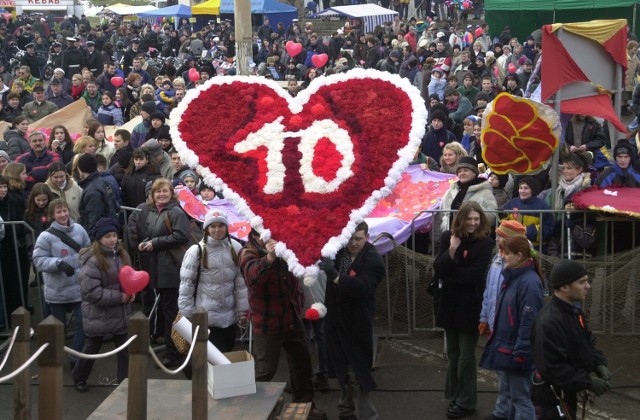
(615, 175)
(520, 299)
(491, 291)
(538, 229)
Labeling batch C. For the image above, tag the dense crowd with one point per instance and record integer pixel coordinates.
(70, 192)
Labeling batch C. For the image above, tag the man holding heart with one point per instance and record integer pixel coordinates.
(276, 302)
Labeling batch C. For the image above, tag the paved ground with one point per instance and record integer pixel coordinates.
(410, 374)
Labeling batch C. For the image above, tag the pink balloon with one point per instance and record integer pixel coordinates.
(293, 48)
(132, 281)
(194, 76)
(117, 81)
(512, 68)
(319, 60)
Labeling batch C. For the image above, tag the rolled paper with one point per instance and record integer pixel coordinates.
(214, 356)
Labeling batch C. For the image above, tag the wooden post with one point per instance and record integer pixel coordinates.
(138, 367)
(21, 348)
(199, 386)
(50, 366)
(244, 36)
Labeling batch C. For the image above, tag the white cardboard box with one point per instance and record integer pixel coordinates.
(238, 378)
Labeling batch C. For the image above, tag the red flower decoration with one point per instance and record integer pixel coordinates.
(307, 165)
(516, 137)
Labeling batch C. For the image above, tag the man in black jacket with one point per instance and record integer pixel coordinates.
(564, 349)
(98, 198)
(352, 279)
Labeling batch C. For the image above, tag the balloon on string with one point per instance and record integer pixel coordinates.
(132, 281)
(117, 81)
(319, 60)
(194, 76)
(293, 48)
(512, 68)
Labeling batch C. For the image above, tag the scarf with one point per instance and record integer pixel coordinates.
(459, 198)
(566, 188)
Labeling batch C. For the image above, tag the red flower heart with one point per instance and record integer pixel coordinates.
(310, 167)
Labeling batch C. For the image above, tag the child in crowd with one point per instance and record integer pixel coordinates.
(106, 308)
(165, 95)
(157, 122)
(467, 133)
(206, 193)
(437, 83)
(499, 182)
(36, 217)
(190, 180)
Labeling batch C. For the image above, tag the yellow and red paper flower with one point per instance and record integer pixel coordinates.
(518, 135)
(303, 170)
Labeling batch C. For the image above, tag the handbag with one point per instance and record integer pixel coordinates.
(177, 252)
(181, 343)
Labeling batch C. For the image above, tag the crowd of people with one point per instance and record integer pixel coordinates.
(69, 194)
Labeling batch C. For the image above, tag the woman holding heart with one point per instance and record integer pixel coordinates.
(106, 308)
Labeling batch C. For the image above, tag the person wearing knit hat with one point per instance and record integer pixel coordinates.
(106, 306)
(622, 171)
(437, 135)
(4, 160)
(191, 180)
(154, 150)
(87, 164)
(562, 324)
(539, 225)
(499, 183)
(164, 139)
(98, 199)
(520, 299)
(211, 279)
(467, 162)
(105, 225)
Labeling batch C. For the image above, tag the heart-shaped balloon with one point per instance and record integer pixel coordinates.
(319, 60)
(293, 48)
(117, 81)
(303, 170)
(194, 76)
(132, 281)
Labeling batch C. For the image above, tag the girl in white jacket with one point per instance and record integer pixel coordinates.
(220, 288)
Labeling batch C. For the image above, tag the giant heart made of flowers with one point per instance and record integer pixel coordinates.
(303, 170)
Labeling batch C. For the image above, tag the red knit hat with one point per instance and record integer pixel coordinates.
(510, 228)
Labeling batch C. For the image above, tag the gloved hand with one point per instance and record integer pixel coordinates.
(603, 372)
(67, 268)
(328, 267)
(598, 385)
(483, 328)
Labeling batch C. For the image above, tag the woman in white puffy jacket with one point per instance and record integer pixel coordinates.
(220, 290)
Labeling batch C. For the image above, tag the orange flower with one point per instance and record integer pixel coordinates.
(515, 137)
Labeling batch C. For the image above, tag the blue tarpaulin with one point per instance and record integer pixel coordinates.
(179, 10)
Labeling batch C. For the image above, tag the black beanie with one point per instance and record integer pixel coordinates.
(469, 163)
(105, 225)
(438, 115)
(565, 272)
(87, 163)
(532, 182)
(163, 133)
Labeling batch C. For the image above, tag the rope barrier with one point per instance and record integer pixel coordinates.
(186, 360)
(101, 355)
(25, 364)
(6, 356)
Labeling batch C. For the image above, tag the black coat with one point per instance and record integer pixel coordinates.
(133, 186)
(350, 309)
(459, 301)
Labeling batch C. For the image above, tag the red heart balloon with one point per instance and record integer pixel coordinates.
(132, 281)
(293, 48)
(319, 60)
(117, 81)
(194, 76)
(311, 167)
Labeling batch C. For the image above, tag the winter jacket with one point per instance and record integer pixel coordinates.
(35, 111)
(434, 141)
(481, 193)
(37, 166)
(17, 143)
(615, 175)
(349, 321)
(491, 290)
(93, 103)
(49, 251)
(103, 313)
(110, 115)
(149, 224)
(139, 133)
(71, 194)
(459, 301)
(539, 229)
(519, 300)
(97, 201)
(133, 186)
(221, 290)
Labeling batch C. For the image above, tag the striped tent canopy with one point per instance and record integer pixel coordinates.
(371, 14)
